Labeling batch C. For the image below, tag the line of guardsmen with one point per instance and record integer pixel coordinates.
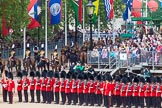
(85, 89)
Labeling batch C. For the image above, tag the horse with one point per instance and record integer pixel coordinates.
(83, 54)
(29, 64)
(11, 63)
(64, 56)
(55, 64)
(2, 64)
(43, 64)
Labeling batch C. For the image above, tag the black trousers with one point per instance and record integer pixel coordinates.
(52, 95)
(63, 97)
(136, 101)
(26, 95)
(107, 100)
(44, 96)
(147, 102)
(57, 97)
(86, 98)
(141, 102)
(48, 96)
(10, 94)
(81, 97)
(99, 99)
(32, 95)
(153, 101)
(4, 95)
(112, 100)
(20, 96)
(38, 95)
(124, 101)
(117, 99)
(129, 101)
(158, 102)
(74, 98)
(69, 97)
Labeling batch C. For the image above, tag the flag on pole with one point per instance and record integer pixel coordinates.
(127, 13)
(5, 30)
(55, 8)
(109, 8)
(96, 4)
(77, 7)
(34, 11)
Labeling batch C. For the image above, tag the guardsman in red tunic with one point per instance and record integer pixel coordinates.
(129, 91)
(32, 86)
(98, 91)
(49, 87)
(158, 93)
(123, 91)
(80, 87)
(107, 91)
(26, 83)
(11, 87)
(43, 86)
(74, 89)
(53, 82)
(85, 90)
(62, 87)
(147, 92)
(91, 87)
(19, 86)
(38, 86)
(57, 88)
(4, 85)
(68, 89)
(141, 91)
(135, 92)
(153, 92)
(117, 91)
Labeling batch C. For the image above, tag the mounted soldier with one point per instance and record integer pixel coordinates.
(36, 53)
(27, 53)
(12, 53)
(55, 59)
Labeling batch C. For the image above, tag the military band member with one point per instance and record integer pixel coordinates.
(135, 92)
(49, 87)
(68, 89)
(91, 87)
(129, 92)
(158, 90)
(38, 86)
(26, 83)
(98, 91)
(4, 85)
(117, 91)
(74, 89)
(11, 87)
(141, 92)
(85, 90)
(32, 86)
(62, 87)
(80, 87)
(43, 86)
(57, 88)
(147, 92)
(19, 86)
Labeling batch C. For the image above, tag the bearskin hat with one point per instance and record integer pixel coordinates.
(80, 76)
(44, 73)
(32, 74)
(10, 75)
(68, 75)
(153, 79)
(99, 77)
(117, 78)
(19, 74)
(74, 76)
(108, 77)
(136, 80)
(56, 75)
(63, 74)
(38, 74)
(25, 73)
(124, 80)
(85, 76)
(158, 79)
(148, 79)
(50, 74)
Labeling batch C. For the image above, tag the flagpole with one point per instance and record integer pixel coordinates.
(24, 40)
(98, 26)
(146, 16)
(83, 24)
(65, 22)
(46, 28)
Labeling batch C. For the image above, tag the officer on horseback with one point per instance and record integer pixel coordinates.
(12, 53)
(54, 56)
(27, 52)
(36, 53)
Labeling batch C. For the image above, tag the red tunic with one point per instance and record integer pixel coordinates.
(62, 86)
(57, 86)
(80, 87)
(38, 84)
(26, 83)
(49, 85)
(141, 90)
(32, 84)
(117, 89)
(68, 86)
(11, 85)
(43, 84)
(19, 85)
(113, 86)
(135, 90)
(147, 89)
(108, 88)
(91, 87)
(74, 86)
(153, 90)
(4, 84)
(129, 90)
(123, 90)
(99, 88)
(158, 90)
(85, 87)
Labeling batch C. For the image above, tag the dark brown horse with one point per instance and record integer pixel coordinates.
(2, 64)
(55, 64)
(64, 56)
(11, 63)
(83, 54)
(29, 64)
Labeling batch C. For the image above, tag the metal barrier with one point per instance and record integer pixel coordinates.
(123, 59)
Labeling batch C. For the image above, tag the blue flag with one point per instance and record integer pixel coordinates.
(55, 7)
(128, 4)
